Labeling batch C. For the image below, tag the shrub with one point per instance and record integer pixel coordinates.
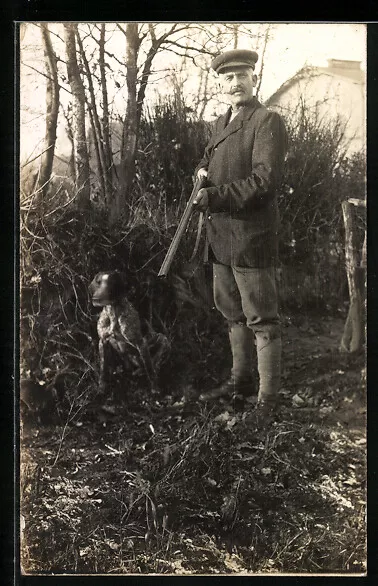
(318, 177)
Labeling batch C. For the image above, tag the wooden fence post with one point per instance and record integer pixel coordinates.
(353, 336)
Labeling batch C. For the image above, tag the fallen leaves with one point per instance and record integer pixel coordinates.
(223, 417)
(234, 563)
(211, 481)
(297, 401)
(329, 489)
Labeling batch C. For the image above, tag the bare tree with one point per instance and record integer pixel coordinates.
(236, 34)
(192, 42)
(101, 146)
(265, 40)
(52, 109)
(136, 90)
(130, 127)
(106, 138)
(81, 158)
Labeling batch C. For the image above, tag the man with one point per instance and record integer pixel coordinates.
(243, 163)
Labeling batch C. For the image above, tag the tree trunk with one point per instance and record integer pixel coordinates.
(81, 158)
(353, 336)
(205, 98)
(235, 34)
(146, 73)
(95, 124)
(262, 60)
(52, 110)
(107, 146)
(129, 134)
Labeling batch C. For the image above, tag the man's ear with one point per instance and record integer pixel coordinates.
(254, 79)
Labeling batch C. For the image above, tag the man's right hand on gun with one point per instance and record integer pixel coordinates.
(201, 201)
(202, 173)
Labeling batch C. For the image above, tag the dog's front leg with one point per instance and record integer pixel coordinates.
(103, 365)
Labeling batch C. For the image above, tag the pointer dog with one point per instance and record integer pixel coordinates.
(118, 324)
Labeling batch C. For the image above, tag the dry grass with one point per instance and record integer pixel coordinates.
(197, 491)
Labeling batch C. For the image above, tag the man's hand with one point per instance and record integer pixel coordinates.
(201, 201)
(201, 173)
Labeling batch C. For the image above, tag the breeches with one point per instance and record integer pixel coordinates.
(248, 296)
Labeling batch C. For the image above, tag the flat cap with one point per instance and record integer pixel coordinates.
(234, 58)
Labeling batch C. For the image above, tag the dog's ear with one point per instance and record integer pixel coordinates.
(118, 281)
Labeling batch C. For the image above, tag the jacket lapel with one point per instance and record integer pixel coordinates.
(236, 123)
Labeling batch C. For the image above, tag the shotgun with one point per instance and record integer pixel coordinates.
(172, 250)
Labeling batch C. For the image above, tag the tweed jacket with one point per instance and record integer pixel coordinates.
(244, 160)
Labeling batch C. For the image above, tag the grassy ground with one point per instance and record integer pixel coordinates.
(185, 489)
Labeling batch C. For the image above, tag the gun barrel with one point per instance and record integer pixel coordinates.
(172, 250)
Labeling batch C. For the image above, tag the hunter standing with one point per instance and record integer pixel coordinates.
(243, 163)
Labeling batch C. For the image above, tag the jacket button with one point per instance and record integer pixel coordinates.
(209, 218)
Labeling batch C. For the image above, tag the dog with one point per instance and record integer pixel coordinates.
(119, 327)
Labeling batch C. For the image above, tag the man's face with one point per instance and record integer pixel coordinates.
(238, 84)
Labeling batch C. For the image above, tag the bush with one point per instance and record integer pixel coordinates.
(170, 145)
(318, 177)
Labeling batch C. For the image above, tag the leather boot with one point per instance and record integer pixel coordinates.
(232, 387)
(242, 342)
(269, 368)
(240, 381)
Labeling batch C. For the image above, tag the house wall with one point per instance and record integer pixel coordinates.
(331, 96)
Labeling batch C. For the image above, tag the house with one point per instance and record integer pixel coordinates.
(336, 90)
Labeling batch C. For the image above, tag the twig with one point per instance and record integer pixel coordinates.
(61, 207)
(63, 436)
(36, 157)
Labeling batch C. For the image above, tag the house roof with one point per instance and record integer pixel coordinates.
(347, 70)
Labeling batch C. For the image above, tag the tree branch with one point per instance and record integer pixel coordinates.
(189, 48)
(44, 75)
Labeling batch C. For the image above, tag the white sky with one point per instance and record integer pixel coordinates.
(296, 45)
(292, 46)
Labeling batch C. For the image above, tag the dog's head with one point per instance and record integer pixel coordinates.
(106, 288)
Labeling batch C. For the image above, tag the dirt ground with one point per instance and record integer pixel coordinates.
(172, 487)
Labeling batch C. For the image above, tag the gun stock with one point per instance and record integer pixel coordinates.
(172, 250)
